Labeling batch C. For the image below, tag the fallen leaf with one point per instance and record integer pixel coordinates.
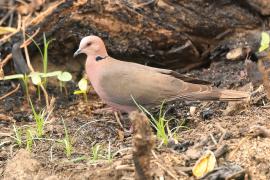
(204, 164)
(265, 40)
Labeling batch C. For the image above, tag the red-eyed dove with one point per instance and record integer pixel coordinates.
(116, 82)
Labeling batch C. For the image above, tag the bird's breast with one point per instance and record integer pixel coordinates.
(95, 73)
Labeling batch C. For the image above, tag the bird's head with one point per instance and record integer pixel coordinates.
(92, 46)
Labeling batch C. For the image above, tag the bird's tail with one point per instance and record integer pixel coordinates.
(216, 94)
(233, 95)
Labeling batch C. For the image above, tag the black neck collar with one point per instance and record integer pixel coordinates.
(99, 58)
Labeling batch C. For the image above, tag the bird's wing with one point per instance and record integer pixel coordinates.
(182, 77)
(149, 86)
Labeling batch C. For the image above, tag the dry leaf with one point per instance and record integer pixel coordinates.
(6, 30)
(265, 40)
(205, 164)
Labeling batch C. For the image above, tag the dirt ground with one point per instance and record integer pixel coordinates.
(237, 133)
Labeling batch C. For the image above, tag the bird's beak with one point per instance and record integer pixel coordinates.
(77, 52)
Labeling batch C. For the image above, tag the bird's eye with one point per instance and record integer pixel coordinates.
(88, 44)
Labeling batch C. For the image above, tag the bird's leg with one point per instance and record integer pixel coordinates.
(118, 118)
(109, 110)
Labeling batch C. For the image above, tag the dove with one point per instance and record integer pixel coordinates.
(120, 83)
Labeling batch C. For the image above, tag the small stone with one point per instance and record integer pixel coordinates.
(207, 113)
(192, 110)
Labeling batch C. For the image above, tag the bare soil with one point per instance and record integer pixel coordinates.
(217, 126)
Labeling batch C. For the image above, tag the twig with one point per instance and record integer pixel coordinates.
(26, 51)
(5, 134)
(143, 143)
(213, 139)
(4, 143)
(11, 3)
(166, 170)
(46, 96)
(237, 174)
(11, 92)
(6, 118)
(7, 58)
(19, 25)
(170, 173)
(1, 71)
(238, 146)
(125, 167)
(259, 131)
(221, 128)
(6, 16)
(145, 4)
(223, 34)
(30, 39)
(45, 13)
(221, 150)
(6, 7)
(224, 133)
(22, 2)
(10, 35)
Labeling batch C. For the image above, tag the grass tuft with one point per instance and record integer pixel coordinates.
(39, 119)
(67, 142)
(160, 124)
(18, 135)
(29, 140)
(95, 151)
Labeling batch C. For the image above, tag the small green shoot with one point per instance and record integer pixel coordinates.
(40, 121)
(67, 142)
(29, 140)
(44, 54)
(18, 135)
(36, 79)
(95, 152)
(83, 86)
(63, 78)
(160, 124)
